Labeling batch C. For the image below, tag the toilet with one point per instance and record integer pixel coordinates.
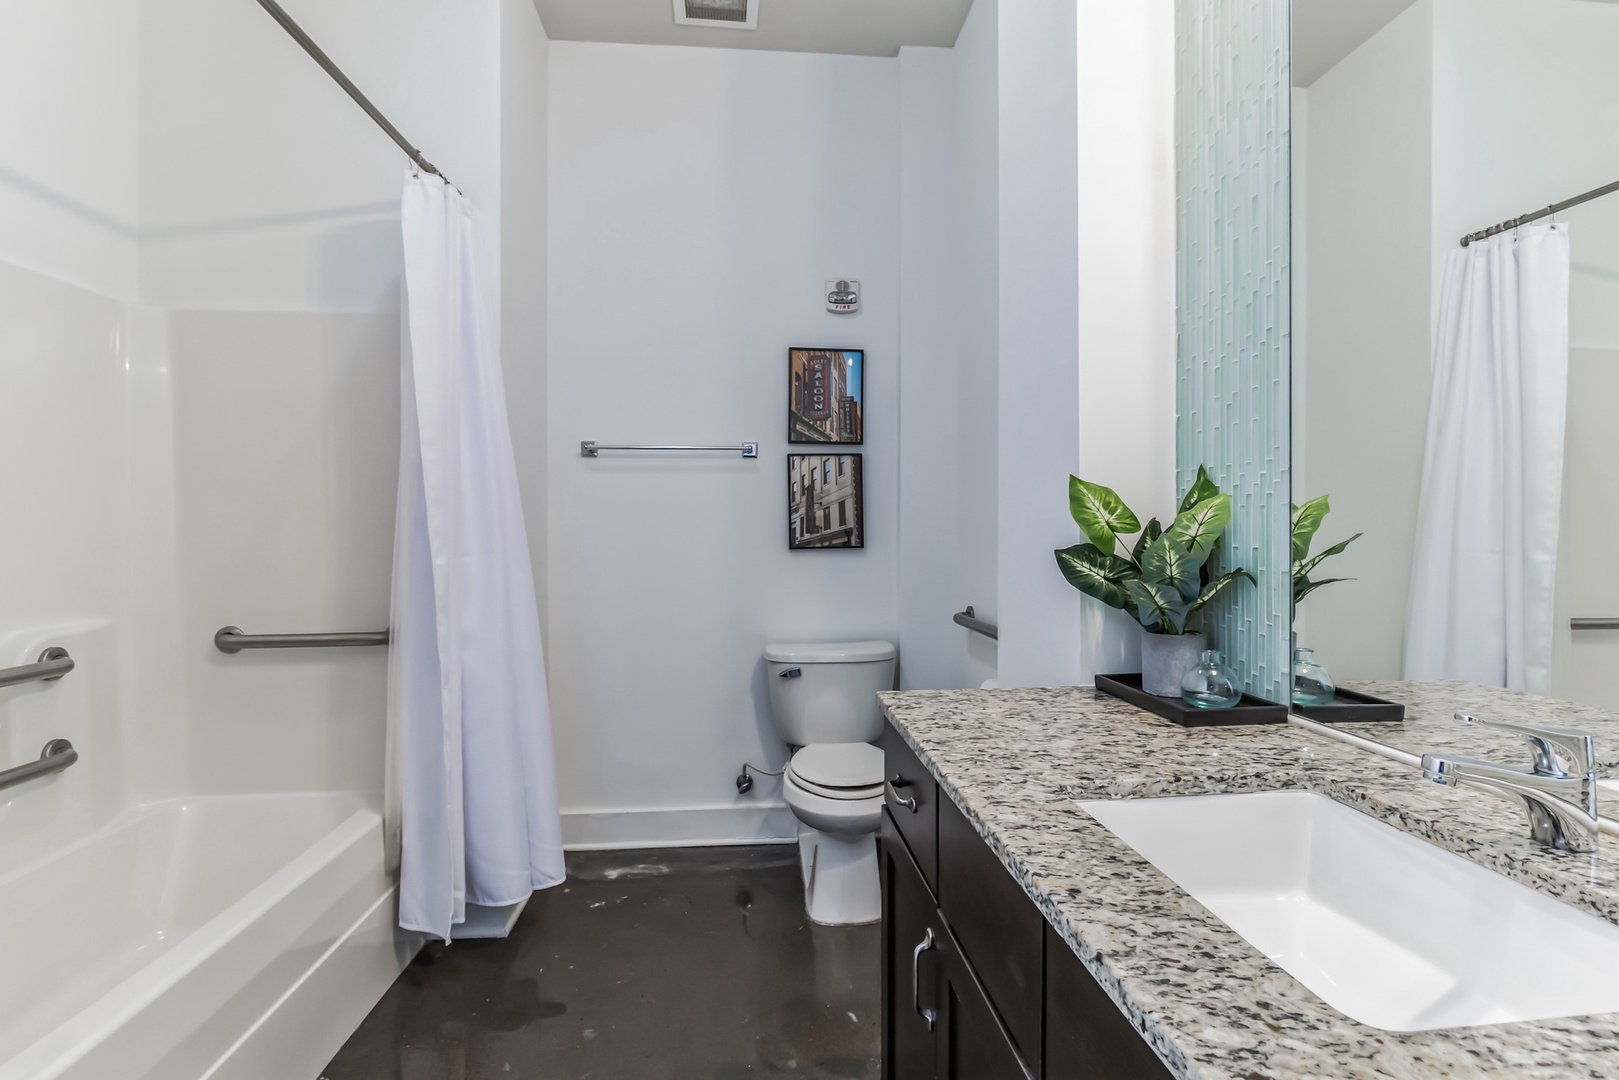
(823, 699)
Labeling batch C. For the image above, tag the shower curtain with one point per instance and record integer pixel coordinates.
(472, 808)
(1484, 572)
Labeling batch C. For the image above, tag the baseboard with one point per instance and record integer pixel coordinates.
(700, 826)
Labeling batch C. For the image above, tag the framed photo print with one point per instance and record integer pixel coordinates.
(825, 391)
(825, 501)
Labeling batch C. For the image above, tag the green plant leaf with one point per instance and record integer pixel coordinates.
(1303, 586)
(1306, 520)
(1097, 574)
(1198, 528)
(1158, 607)
(1099, 512)
(1216, 587)
(1336, 549)
(1152, 532)
(1202, 488)
(1166, 562)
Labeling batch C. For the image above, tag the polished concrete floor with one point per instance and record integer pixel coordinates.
(677, 963)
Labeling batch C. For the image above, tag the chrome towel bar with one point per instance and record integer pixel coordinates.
(1593, 624)
(57, 755)
(748, 449)
(230, 639)
(53, 663)
(971, 621)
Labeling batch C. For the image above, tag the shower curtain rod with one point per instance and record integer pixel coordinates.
(1554, 208)
(353, 91)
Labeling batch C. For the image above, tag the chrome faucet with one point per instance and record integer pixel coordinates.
(1559, 790)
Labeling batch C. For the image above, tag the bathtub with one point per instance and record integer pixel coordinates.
(238, 937)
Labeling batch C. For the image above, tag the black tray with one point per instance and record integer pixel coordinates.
(1353, 707)
(1251, 710)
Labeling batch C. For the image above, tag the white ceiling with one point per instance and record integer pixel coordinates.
(858, 27)
(1326, 31)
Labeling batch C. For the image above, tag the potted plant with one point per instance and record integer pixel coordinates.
(1162, 580)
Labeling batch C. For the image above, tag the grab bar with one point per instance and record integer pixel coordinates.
(971, 621)
(1593, 624)
(230, 639)
(57, 755)
(53, 663)
(591, 448)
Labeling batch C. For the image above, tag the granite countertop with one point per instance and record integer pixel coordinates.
(1430, 725)
(1215, 1008)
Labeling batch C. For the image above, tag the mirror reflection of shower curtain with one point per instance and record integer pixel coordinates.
(471, 797)
(1485, 563)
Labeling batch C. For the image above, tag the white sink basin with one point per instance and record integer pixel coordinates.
(1392, 931)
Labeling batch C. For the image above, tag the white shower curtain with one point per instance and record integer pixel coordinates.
(472, 808)
(1483, 576)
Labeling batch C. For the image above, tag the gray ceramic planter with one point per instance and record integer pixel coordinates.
(1165, 660)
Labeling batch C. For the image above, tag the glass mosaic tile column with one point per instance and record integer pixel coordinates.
(1232, 194)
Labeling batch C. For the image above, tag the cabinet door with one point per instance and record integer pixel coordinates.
(912, 939)
(973, 1043)
(1087, 1037)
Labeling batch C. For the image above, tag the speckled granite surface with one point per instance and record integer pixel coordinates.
(1017, 761)
(1429, 725)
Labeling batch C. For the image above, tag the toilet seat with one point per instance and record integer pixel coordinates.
(844, 771)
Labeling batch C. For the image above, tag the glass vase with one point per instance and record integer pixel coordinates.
(1210, 684)
(1311, 683)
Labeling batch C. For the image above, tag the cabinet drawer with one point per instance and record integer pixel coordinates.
(1000, 930)
(912, 797)
(1086, 1034)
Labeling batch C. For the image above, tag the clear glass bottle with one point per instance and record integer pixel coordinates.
(1311, 683)
(1210, 684)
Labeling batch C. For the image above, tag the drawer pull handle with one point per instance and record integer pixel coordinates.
(909, 804)
(916, 978)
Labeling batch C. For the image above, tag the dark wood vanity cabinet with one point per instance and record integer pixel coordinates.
(976, 984)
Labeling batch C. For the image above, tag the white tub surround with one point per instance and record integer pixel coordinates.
(250, 937)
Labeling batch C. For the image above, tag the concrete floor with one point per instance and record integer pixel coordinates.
(675, 963)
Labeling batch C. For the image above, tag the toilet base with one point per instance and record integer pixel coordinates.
(842, 885)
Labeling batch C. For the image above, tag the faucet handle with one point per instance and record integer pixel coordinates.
(1552, 746)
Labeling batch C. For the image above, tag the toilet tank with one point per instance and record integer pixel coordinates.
(826, 693)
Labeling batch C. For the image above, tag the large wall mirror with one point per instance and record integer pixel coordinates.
(1454, 405)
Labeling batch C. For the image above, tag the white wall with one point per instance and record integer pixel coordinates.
(1087, 306)
(948, 337)
(1126, 308)
(699, 199)
(1368, 230)
(69, 141)
(263, 187)
(524, 253)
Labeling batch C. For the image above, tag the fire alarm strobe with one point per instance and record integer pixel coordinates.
(843, 296)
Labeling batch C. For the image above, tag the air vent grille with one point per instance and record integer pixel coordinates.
(731, 11)
(734, 14)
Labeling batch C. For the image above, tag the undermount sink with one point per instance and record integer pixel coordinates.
(1388, 929)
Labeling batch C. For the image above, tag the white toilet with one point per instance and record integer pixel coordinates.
(824, 702)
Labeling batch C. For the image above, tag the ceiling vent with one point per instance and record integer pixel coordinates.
(734, 14)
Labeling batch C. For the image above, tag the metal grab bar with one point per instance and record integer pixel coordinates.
(53, 663)
(1593, 624)
(230, 639)
(971, 621)
(57, 755)
(591, 448)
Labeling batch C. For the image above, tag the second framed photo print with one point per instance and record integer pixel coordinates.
(825, 501)
(825, 391)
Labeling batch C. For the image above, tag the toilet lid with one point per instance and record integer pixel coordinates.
(839, 765)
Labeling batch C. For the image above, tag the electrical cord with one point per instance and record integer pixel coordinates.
(744, 781)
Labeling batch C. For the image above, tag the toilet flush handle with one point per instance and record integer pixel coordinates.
(791, 673)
